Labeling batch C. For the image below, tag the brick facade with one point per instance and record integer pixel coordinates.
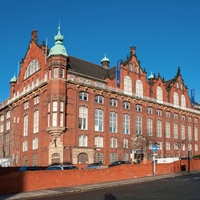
(63, 109)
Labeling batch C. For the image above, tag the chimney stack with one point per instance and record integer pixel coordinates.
(34, 35)
(132, 50)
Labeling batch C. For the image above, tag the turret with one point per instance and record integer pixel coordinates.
(105, 62)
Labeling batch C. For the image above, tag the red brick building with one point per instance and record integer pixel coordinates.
(67, 110)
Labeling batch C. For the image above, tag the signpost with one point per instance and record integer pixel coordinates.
(155, 149)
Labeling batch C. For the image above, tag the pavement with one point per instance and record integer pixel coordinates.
(83, 188)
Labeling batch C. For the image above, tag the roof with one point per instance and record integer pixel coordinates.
(90, 69)
(58, 48)
(13, 79)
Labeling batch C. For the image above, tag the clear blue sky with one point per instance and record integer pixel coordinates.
(166, 34)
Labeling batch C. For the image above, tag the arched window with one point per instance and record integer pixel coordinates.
(83, 118)
(125, 143)
(36, 121)
(113, 122)
(175, 146)
(175, 131)
(183, 102)
(8, 115)
(139, 88)
(159, 94)
(35, 143)
(82, 158)
(98, 141)
(33, 67)
(113, 142)
(130, 67)
(182, 131)
(98, 120)
(113, 157)
(127, 85)
(126, 124)
(83, 96)
(35, 160)
(113, 102)
(98, 157)
(25, 125)
(149, 127)
(55, 159)
(83, 141)
(138, 125)
(25, 146)
(189, 133)
(150, 144)
(176, 99)
(126, 157)
(99, 99)
(196, 148)
(126, 105)
(195, 133)
(167, 145)
(167, 129)
(159, 128)
(25, 161)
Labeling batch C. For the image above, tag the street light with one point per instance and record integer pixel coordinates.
(188, 160)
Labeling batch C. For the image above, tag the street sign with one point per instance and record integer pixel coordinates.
(138, 151)
(155, 148)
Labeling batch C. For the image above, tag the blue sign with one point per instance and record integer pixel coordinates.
(118, 72)
(155, 148)
(138, 151)
(192, 97)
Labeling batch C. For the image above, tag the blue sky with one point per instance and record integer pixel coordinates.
(166, 34)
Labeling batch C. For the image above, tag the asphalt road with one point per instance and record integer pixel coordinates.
(175, 188)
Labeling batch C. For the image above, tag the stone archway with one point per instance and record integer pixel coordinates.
(55, 159)
(140, 144)
(82, 158)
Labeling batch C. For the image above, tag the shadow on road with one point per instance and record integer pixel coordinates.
(109, 196)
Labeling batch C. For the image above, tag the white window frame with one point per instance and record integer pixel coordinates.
(36, 121)
(83, 118)
(99, 120)
(98, 141)
(83, 141)
(35, 143)
(26, 125)
(113, 122)
(126, 124)
(127, 85)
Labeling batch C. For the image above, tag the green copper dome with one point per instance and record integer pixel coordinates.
(151, 76)
(13, 79)
(58, 48)
(105, 59)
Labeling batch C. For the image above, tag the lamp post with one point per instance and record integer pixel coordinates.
(155, 149)
(188, 160)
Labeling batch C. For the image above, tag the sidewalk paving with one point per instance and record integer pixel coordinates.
(82, 188)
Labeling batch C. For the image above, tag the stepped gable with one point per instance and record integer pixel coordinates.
(173, 81)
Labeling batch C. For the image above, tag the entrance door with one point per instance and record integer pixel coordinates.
(55, 159)
(82, 158)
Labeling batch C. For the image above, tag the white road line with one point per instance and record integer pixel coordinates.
(196, 178)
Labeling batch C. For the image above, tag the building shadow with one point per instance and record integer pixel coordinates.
(109, 196)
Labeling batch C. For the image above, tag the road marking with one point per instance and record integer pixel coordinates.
(196, 178)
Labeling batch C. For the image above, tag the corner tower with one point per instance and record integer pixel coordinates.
(56, 98)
